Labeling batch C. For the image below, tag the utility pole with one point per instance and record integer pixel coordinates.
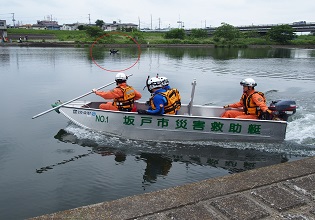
(180, 23)
(13, 19)
(89, 19)
(139, 23)
(159, 23)
(151, 21)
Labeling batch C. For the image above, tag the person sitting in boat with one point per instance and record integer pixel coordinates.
(123, 95)
(252, 102)
(157, 101)
(162, 100)
(172, 95)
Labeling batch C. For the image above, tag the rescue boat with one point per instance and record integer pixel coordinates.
(192, 123)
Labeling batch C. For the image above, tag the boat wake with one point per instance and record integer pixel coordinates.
(302, 130)
(300, 141)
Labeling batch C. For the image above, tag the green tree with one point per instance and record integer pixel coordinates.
(99, 23)
(227, 32)
(137, 35)
(177, 33)
(81, 27)
(281, 33)
(198, 33)
(94, 31)
(250, 34)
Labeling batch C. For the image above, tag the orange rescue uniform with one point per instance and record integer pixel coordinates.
(116, 94)
(250, 103)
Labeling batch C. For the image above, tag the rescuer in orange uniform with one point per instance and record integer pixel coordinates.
(252, 102)
(123, 95)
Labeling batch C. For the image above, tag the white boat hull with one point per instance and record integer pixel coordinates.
(203, 124)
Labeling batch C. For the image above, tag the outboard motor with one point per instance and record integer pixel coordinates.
(282, 109)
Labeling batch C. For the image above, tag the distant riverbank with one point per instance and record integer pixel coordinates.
(79, 44)
(58, 38)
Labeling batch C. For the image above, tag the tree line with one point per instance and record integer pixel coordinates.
(227, 33)
(224, 34)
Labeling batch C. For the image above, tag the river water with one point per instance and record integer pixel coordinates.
(48, 164)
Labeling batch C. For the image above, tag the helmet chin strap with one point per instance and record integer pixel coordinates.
(120, 81)
(147, 85)
(249, 88)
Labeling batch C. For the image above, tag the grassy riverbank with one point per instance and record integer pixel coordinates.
(148, 38)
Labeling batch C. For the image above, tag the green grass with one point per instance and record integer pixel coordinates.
(76, 36)
(304, 40)
(153, 38)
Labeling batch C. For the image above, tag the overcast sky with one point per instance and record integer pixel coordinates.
(161, 13)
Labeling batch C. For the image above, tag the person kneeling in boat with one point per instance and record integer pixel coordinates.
(123, 95)
(158, 100)
(253, 103)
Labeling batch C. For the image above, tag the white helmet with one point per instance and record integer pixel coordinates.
(120, 77)
(248, 82)
(154, 83)
(164, 81)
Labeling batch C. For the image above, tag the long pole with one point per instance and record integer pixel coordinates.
(190, 105)
(79, 97)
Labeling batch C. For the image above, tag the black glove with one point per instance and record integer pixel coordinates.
(267, 115)
(142, 112)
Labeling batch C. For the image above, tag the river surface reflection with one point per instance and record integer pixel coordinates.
(48, 164)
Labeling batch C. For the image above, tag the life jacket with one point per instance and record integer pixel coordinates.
(250, 108)
(173, 102)
(125, 103)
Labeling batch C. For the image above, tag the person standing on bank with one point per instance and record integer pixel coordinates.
(123, 95)
(252, 102)
(157, 101)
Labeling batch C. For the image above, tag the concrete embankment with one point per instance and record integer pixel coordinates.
(283, 191)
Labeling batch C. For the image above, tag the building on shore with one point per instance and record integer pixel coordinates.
(46, 25)
(71, 27)
(3, 31)
(118, 26)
